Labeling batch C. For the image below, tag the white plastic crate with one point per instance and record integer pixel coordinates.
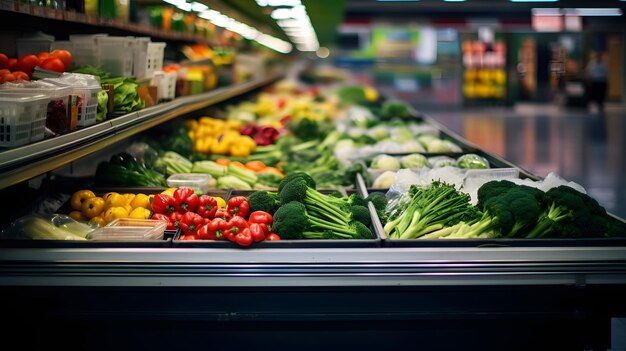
(166, 85)
(140, 56)
(85, 50)
(20, 116)
(116, 55)
(33, 44)
(87, 87)
(58, 101)
(154, 59)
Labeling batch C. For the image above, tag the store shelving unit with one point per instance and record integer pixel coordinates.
(440, 295)
(22, 163)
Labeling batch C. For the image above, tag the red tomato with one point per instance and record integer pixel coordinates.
(27, 63)
(4, 61)
(12, 63)
(43, 55)
(9, 77)
(19, 75)
(53, 64)
(64, 56)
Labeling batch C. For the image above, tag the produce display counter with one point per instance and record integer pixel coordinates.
(556, 294)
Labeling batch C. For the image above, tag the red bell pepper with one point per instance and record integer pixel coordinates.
(238, 206)
(164, 204)
(223, 214)
(235, 225)
(207, 206)
(190, 223)
(272, 237)
(258, 231)
(263, 218)
(162, 217)
(214, 230)
(187, 237)
(186, 199)
(244, 237)
(175, 217)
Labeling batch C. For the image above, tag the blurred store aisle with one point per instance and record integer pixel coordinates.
(581, 146)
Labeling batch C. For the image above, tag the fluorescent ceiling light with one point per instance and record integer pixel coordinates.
(546, 11)
(533, 0)
(176, 2)
(454, 0)
(185, 6)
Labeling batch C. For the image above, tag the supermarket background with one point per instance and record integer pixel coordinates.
(509, 76)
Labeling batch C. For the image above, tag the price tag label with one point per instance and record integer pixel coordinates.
(69, 15)
(39, 11)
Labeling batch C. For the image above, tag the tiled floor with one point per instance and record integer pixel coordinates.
(581, 146)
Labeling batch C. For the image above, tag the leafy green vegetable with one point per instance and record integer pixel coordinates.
(103, 100)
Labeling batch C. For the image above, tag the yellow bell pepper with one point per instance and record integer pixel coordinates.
(140, 200)
(192, 124)
(247, 141)
(239, 150)
(115, 213)
(233, 124)
(220, 145)
(140, 213)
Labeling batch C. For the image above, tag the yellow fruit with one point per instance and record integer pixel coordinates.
(114, 213)
(98, 220)
(106, 195)
(129, 197)
(92, 207)
(140, 200)
(114, 200)
(169, 191)
(78, 197)
(140, 213)
(77, 216)
(221, 203)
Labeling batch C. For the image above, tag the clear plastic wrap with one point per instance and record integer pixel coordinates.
(46, 227)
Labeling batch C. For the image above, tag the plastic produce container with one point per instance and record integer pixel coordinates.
(116, 55)
(154, 60)
(197, 181)
(87, 88)
(22, 118)
(140, 57)
(166, 85)
(123, 229)
(34, 44)
(58, 115)
(85, 49)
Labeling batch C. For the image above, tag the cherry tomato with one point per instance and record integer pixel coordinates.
(4, 61)
(43, 55)
(53, 64)
(19, 75)
(63, 55)
(27, 63)
(12, 63)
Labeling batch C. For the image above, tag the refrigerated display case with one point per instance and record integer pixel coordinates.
(542, 294)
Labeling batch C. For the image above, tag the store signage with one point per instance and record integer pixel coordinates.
(547, 23)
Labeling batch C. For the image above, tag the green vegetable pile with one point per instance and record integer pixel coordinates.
(126, 96)
(124, 170)
(504, 210)
(305, 213)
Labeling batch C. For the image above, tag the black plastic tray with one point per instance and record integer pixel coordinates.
(355, 243)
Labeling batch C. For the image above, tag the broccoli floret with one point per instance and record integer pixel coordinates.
(512, 212)
(378, 199)
(263, 200)
(295, 175)
(361, 214)
(570, 213)
(491, 189)
(305, 129)
(356, 200)
(293, 221)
